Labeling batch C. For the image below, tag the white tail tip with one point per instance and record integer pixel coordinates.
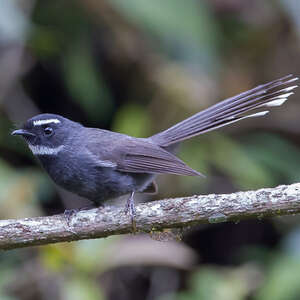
(277, 102)
(259, 114)
(290, 88)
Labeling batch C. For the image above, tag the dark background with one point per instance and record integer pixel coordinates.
(137, 67)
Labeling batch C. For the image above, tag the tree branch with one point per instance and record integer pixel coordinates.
(157, 215)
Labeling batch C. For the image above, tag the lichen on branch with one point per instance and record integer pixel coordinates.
(156, 215)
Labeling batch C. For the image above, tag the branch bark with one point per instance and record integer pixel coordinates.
(157, 215)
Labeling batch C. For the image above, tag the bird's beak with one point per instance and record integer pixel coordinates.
(22, 132)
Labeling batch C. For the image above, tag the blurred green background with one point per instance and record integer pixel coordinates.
(137, 67)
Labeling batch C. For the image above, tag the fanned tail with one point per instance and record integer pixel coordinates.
(229, 111)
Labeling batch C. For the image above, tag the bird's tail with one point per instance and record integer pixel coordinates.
(229, 111)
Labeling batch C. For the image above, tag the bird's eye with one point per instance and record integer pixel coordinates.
(48, 131)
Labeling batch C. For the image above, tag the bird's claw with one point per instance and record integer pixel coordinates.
(68, 214)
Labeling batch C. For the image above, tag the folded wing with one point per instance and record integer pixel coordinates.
(147, 158)
(134, 155)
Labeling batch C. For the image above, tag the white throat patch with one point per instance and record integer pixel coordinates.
(43, 150)
(43, 122)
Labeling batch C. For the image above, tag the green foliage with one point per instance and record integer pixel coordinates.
(133, 120)
(231, 158)
(103, 58)
(275, 153)
(282, 279)
(81, 288)
(85, 84)
(211, 282)
(186, 29)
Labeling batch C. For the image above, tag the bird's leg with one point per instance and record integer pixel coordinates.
(130, 208)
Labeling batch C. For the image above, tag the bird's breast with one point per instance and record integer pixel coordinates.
(84, 178)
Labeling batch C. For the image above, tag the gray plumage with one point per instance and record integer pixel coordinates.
(100, 164)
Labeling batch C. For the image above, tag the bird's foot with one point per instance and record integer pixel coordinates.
(130, 209)
(68, 214)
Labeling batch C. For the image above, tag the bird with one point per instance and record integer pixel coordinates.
(100, 164)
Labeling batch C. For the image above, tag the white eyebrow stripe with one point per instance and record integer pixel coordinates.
(43, 122)
(43, 150)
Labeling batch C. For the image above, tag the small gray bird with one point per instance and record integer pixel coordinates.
(100, 164)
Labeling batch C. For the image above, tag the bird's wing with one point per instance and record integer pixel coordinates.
(133, 155)
(144, 157)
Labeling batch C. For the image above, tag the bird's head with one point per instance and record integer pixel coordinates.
(47, 134)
